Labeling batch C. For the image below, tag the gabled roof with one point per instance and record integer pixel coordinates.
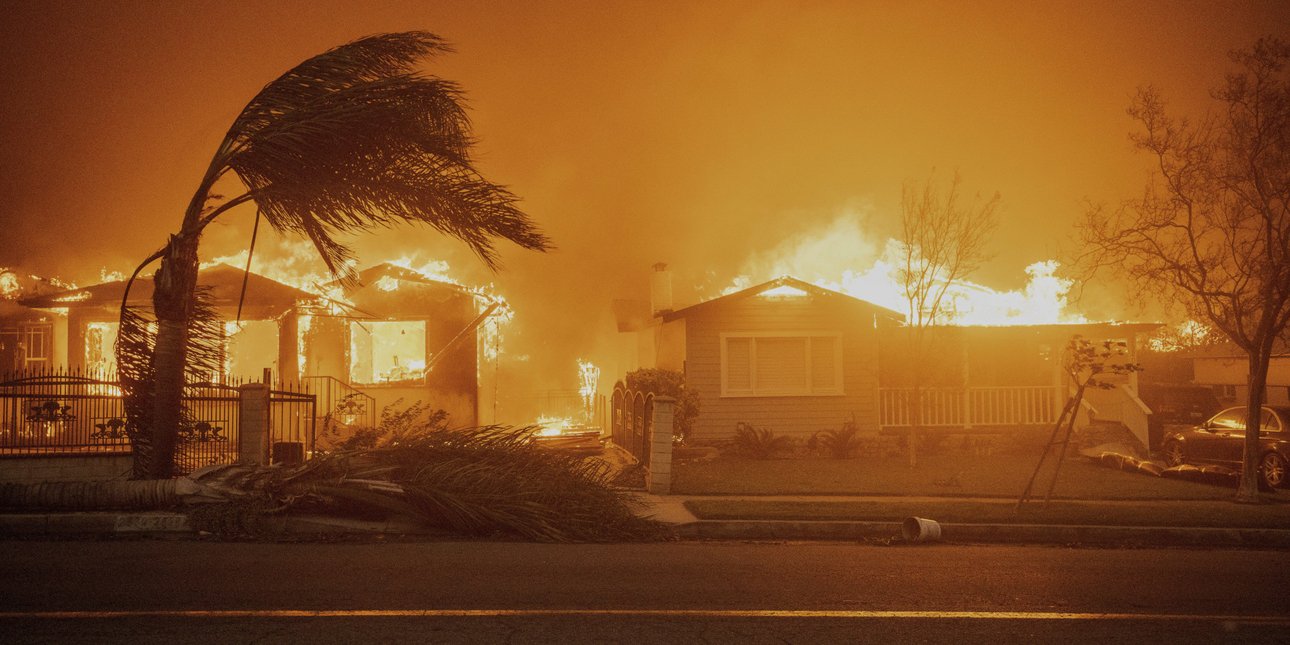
(375, 273)
(224, 281)
(787, 282)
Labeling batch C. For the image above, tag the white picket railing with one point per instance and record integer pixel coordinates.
(973, 406)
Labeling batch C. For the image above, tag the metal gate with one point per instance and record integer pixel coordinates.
(633, 414)
(292, 419)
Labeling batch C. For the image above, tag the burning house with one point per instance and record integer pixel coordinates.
(799, 358)
(91, 317)
(401, 335)
(30, 339)
(393, 334)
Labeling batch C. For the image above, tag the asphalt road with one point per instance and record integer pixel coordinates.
(183, 591)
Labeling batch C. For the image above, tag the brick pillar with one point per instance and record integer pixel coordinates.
(253, 423)
(659, 479)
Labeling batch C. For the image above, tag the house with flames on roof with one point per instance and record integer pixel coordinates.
(799, 359)
(393, 334)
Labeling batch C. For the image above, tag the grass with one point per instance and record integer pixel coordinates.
(951, 473)
(1137, 513)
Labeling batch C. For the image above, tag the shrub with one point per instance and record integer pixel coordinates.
(759, 443)
(840, 443)
(394, 425)
(660, 382)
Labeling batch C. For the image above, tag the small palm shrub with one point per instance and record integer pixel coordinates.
(759, 443)
(840, 443)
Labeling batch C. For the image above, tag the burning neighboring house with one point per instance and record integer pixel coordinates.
(402, 335)
(30, 339)
(268, 308)
(798, 358)
(393, 334)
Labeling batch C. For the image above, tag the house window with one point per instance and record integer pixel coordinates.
(781, 364)
(387, 351)
(35, 339)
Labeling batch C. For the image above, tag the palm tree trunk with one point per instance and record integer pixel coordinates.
(172, 299)
(150, 494)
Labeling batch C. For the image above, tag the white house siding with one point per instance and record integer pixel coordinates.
(798, 416)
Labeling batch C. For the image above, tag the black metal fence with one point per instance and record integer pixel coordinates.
(60, 412)
(338, 402)
(68, 413)
(210, 432)
(633, 414)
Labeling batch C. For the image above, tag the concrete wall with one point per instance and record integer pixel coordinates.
(35, 469)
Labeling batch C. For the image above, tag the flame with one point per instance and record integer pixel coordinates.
(1184, 335)
(387, 283)
(433, 269)
(840, 257)
(552, 426)
(303, 324)
(491, 336)
(9, 285)
(293, 263)
(76, 296)
(588, 379)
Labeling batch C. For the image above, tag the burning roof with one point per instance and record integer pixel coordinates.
(785, 287)
(224, 281)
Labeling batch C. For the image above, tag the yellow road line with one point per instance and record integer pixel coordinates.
(639, 613)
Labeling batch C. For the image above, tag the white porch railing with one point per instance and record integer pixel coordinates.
(973, 406)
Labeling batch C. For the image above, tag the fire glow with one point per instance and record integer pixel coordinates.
(840, 257)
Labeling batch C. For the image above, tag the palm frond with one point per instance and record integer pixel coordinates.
(475, 481)
(356, 138)
(135, 350)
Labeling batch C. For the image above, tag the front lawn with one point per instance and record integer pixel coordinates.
(941, 475)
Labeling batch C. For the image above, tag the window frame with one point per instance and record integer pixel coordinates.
(839, 388)
(349, 353)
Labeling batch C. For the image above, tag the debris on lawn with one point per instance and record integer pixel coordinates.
(1214, 475)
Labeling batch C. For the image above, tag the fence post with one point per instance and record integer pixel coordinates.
(659, 444)
(253, 423)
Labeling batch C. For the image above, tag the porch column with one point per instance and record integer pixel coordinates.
(253, 424)
(288, 349)
(659, 443)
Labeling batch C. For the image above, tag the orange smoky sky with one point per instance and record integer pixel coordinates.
(694, 133)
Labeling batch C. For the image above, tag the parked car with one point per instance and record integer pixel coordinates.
(1175, 405)
(1221, 441)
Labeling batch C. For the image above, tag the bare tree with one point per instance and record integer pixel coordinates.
(1211, 231)
(943, 240)
(351, 139)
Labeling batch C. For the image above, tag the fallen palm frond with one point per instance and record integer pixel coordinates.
(472, 481)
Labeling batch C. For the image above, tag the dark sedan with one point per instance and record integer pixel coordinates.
(1221, 440)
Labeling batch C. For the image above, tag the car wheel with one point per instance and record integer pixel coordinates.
(1174, 455)
(1272, 469)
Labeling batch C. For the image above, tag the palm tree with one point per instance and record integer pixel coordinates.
(351, 139)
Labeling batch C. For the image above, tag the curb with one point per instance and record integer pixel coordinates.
(177, 524)
(28, 524)
(989, 533)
